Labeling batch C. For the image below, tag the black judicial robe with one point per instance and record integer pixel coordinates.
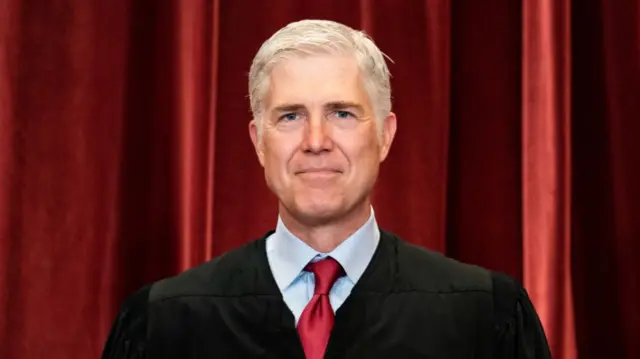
(409, 303)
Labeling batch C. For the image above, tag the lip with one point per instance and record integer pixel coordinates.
(318, 171)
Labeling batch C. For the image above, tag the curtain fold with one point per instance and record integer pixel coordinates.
(621, 28)
(125, 155)
(7, 41)
(606, 171)
(196, 71)
(484, 196)
(546, 165)
(421, 37)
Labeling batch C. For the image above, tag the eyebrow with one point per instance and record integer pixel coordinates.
(341, 105)
(288, 107)
(334, 105)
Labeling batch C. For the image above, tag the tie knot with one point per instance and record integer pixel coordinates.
(326, 272)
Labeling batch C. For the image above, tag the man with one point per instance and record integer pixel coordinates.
(327, 283)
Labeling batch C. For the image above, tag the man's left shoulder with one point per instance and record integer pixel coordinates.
(429, 270)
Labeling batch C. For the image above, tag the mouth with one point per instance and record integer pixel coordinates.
(318, 171)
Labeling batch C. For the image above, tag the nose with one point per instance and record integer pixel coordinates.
(317, 137)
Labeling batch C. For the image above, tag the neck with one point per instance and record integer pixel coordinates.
(325, 235)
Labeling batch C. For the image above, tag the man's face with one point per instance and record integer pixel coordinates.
(320, 147)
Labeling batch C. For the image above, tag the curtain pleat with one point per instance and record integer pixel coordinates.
(546, 164)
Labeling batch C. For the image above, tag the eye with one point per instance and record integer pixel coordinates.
(292, 116)
(344, 114)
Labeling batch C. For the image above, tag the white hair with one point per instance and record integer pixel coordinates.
(310, 37)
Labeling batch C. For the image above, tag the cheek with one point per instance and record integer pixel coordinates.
(361, 150)
(278, 154)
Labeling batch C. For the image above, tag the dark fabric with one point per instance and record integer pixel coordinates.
(409, 303)
(317, 319)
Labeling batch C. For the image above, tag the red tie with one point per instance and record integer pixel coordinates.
(316, 320)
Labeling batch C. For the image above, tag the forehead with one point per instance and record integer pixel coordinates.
(315, 79)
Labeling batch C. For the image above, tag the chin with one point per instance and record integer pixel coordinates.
(317, 211)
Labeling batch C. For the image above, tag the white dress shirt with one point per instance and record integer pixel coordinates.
(288, 255)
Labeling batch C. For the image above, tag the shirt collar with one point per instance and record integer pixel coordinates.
(290, 254)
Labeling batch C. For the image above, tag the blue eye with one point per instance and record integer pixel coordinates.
(343, 114)
(290, 116)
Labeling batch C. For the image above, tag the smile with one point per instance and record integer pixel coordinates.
(319, 173)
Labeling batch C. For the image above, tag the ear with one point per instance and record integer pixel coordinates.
(389, 127)
(257, 142)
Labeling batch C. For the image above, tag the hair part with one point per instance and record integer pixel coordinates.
(316, 37)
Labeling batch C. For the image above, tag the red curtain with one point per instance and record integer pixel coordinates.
(125, 157)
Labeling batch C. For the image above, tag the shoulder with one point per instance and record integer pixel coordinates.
(432, 270)
(427, 270)
(497, 295)
(224, 275)
(229, 274)
(127, 337)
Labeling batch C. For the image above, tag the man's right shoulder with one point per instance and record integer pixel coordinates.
(223, 275)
